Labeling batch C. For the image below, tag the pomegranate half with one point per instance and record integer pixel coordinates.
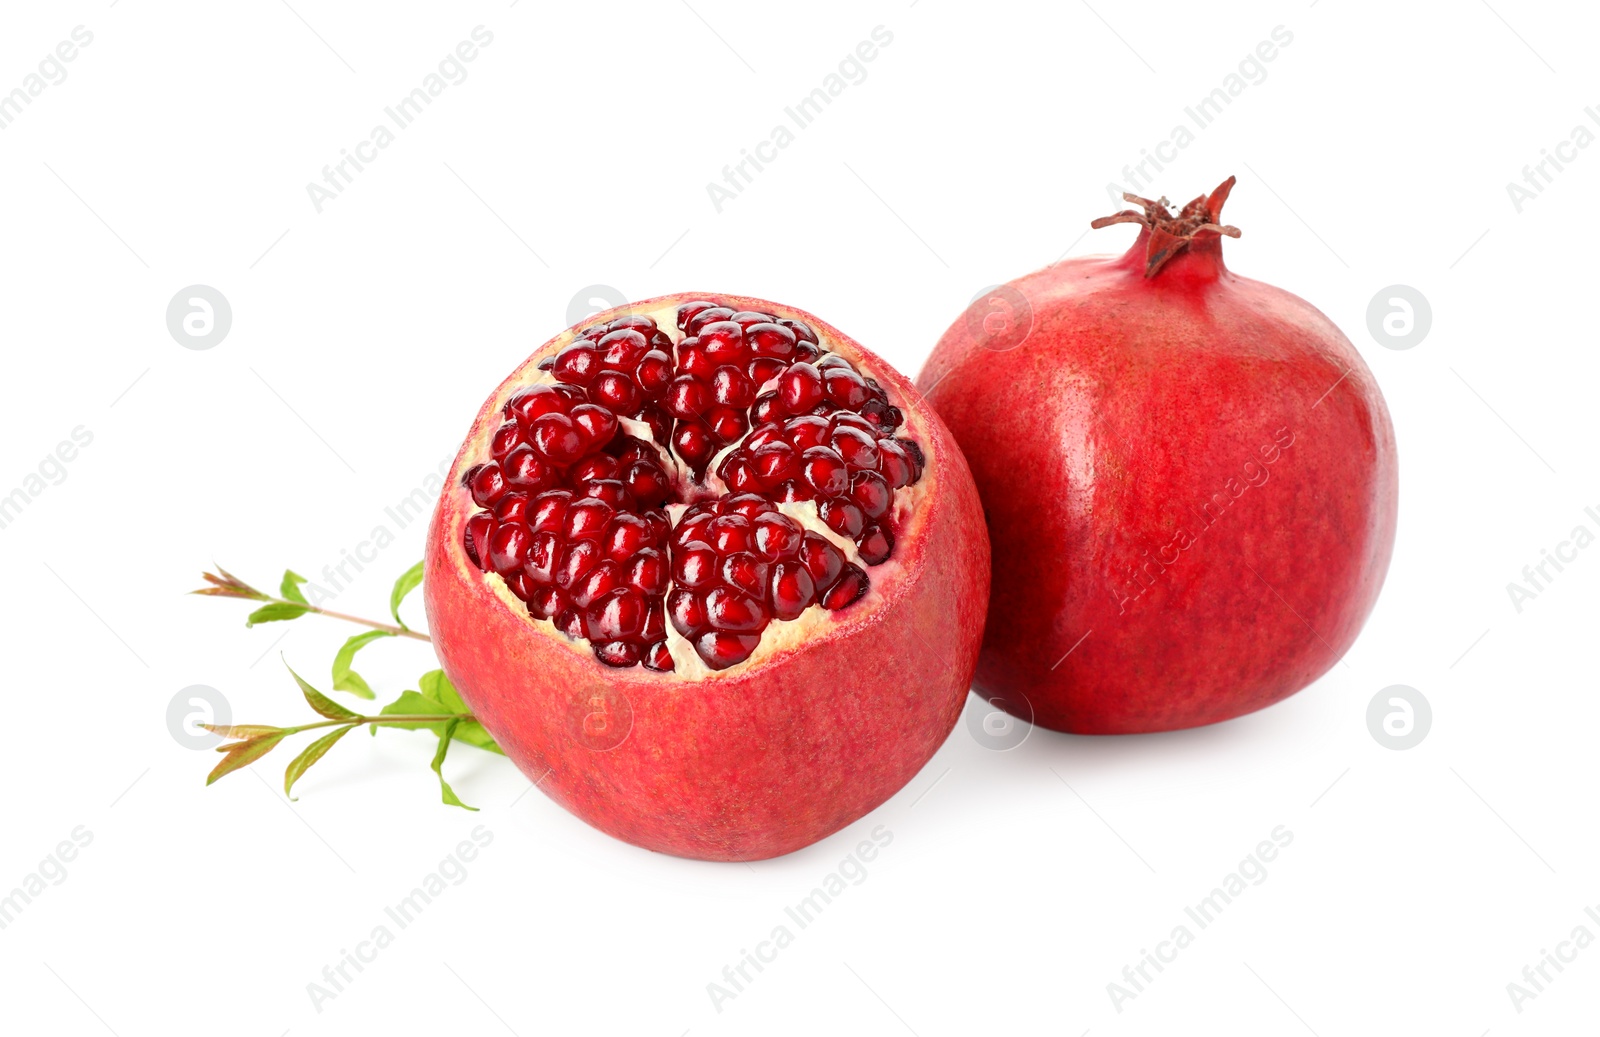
(711, 574)
(1190, 480)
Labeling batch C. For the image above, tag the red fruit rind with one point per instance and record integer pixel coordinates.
(831, 713)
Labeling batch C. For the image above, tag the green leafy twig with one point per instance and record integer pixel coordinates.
(292, 603)
(437, 708)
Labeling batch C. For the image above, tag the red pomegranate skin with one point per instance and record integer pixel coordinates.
(766, 757)
(1191, 487)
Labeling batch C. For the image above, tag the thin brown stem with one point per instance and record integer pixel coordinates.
(392, 718)
(388, 628)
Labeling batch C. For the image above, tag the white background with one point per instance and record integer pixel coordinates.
(1018, 884)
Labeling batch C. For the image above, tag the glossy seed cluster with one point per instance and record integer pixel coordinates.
(574, 509)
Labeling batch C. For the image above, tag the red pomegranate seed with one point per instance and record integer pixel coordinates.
(616, 391)
(660, 422)
(549, 510)
(694, 566)
(845, 419)
(625, 537)
(706, 316)
(842, 517)
(894, 463)
(508, 548)
(825, 471)
(694, 444)
(776, 536)
(586, 519)
(617, 616)
(736, 472)
(859, 450)
(792, 590)
(852, 586)
(729, 533)
(641, 321)
(576, 561)
(747, 504)
(621, 350)
(654, 373)
(577, 364)
(763, 369)
(543, 555)
(726, 424)
(692, 360)
(617, 653)
(775, 462)
(800, 388)
(686, 610)
(802, 331)
(875, 544)
(730, 611)
(557, 438)
(767, 408)
(845, 388)
(488, 484)
(648, 483)
(721, 650)
(770, 340)
(871, 491)
(771, 432)
(822, 560)
(611, 491)
(730, 386)
(745, 318)
(723, 343)
(686, 397)
(569, 622)
(655, 622)
(689, 310)
(647, 572)
(743, 571)
(600, 580)
(546, 602)
(595, 466)
(520, 586)
(513, 507)
(657, 658)
(476, 538)
(534, 401)
(806, 431)
(525, 470)
(506, 438)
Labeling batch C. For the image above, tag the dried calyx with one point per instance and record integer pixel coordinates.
(722, 480)
(1167, 235)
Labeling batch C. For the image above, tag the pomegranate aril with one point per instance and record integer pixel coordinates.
(767, 408)
(694, 444)
(726, 424)
(871, 491)
(842, 517)
(557, 438)
(656, 657)
(747, 318)
(825, 471)
(831, 361)
(846, 419)
(743, 571)
(771, 432)
(723, 343)
(875, 545)
(548, 511)
(640, 321)
(586, 519)
(686, 397)
(544, 552)
(729, 533)
(806, 431)
(730, 387)
(763, 369)
(850, 588)
(506, 438)
(602, 579)
(547, 363)
(885, 417)
(610, 491)
(655, 622)
(686, 610)
(616, 391)
(617, 653)
(692, 360)
(822, 560)
(621, 350)
(647, 572)
(895, 464)
(508, 548)
(521, 586)
(648, 483)
(525, 470)
(576, 562)
(800, 388)
(660, 422)
(578, 364)
(776, 536)
(721, 650)
(654, 373)
(709, 315)
(734, 612)
(595, 466)
(689, 310)
(488, 485)
(694, 566)
(793, 491)
(546, 602)
(792, 590)
(625, 537)
(858, 449)
(775, 462)
(749, 505)
(513, 507)
(617, 616)
(692, 526)
(534, 401)
(569, 622)
(737, 473)
(476, 538)
(770, 340)
(802, 330)
(597, 424)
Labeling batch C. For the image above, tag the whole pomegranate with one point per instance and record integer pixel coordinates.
(711, 574)
(1190, 480)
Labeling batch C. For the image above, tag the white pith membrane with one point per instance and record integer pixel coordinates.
(903, 520)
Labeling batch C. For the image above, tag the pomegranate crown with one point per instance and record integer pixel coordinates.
(1168, 234)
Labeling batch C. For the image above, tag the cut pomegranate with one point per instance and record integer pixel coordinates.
(816, 448)
(748, 526)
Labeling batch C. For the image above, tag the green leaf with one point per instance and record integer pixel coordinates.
(472, 732)
(311, 754)
(346, 679)
(276, 611)
(445, 791)
(436, 686)
(438, 695)
(408, 582)
(320, 702)
(240, 754)
(291, 586)
(244, 731)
